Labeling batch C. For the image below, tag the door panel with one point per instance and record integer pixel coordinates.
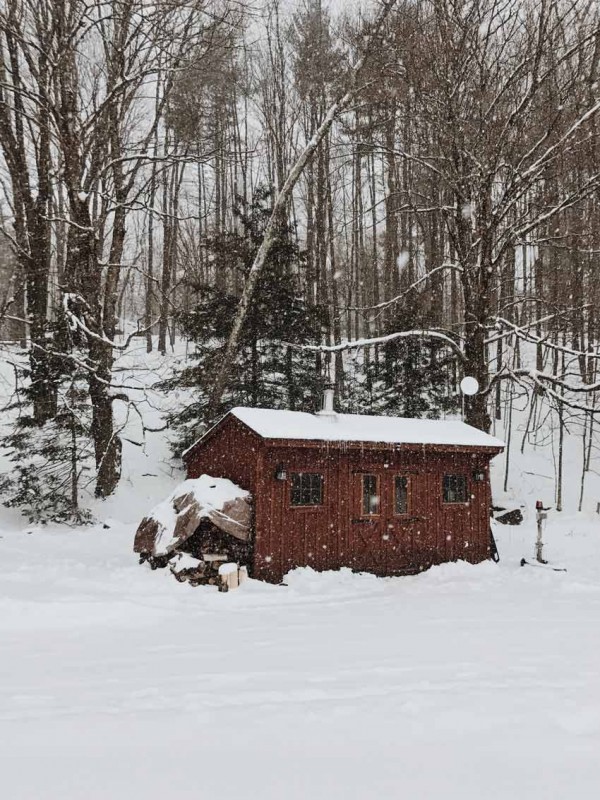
(405, 533)
(303, 529)
(366, 530)
(456, 523)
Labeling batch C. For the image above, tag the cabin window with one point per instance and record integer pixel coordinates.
(307, 489)
(400, 494)
(455, 489)
(370, 495)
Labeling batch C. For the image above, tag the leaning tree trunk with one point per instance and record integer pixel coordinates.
(279, 206)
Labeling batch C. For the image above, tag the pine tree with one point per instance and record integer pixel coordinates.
(50, 460)
(270, 369)
(408, 377)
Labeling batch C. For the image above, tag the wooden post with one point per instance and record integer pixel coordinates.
(540, 517)
(539, 544)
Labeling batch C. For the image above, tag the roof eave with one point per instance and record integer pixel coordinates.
(467, 448)
(185, 456)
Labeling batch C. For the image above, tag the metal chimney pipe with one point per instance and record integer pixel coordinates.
(327, 409)
(328, 396)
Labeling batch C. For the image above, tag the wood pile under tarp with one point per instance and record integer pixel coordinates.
(171, 523)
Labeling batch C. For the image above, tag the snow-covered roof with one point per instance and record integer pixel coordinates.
(272, 424)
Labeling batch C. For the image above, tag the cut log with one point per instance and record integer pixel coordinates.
(229, 574)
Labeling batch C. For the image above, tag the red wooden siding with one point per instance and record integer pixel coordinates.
(230, 450)
(337, 534)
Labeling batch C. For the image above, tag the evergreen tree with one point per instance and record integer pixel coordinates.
(406, 377)
(270, 369)
(50, 460)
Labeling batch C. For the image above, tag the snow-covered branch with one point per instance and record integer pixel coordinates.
(390, 337)
(75, 322)
(546, 383)
(408, 290)
(528, 336)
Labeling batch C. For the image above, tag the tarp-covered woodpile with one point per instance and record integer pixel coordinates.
(207, 518)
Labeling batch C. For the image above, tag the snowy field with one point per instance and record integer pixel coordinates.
(464, 683)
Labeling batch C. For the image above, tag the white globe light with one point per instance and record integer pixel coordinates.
(469, 385)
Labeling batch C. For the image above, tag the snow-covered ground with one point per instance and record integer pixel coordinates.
(466, 682)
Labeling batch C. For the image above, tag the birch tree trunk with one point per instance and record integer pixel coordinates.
(279, 206)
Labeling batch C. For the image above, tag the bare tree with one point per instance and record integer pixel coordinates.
(77, 73)
(497, 95)
(26, 45)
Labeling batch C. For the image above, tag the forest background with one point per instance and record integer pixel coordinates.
(442, 221)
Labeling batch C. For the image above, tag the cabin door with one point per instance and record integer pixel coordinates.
(405, 524)
(367, 522)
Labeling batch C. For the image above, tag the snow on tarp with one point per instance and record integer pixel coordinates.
(271, 424)
(173, 521)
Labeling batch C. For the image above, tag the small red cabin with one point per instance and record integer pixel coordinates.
(386, 495)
